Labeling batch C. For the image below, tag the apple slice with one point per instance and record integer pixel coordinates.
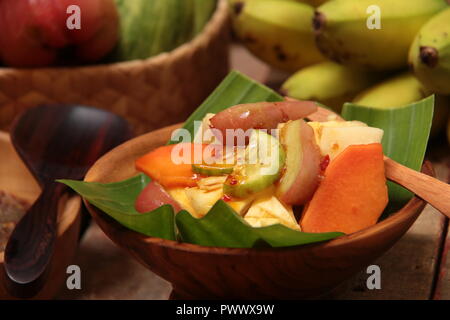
(302, 169)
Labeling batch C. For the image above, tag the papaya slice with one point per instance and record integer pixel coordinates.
(352, 194)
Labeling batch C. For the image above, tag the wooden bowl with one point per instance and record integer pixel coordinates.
(149, 93)
(206, 272)
(17, 180)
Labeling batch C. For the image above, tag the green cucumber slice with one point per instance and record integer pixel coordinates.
(265, 158)
(211, 169)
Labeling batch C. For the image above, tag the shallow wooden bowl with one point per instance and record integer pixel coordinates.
(205, 272)
(17, 180)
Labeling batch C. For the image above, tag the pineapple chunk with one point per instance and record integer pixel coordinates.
(203, 200)
(179, 194)
(333, 137)
(318, 126)
(269, 210)
(204, 134)
(199, 200)
(241, 206)
(211, 183)
(206, 194)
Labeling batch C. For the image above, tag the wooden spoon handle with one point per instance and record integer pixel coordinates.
(433, 191)
(31, 244)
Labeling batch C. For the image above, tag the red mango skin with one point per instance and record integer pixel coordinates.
(154, 196)
(34, 32)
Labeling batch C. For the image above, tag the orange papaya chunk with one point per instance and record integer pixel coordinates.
(352, 194)
(161, 165)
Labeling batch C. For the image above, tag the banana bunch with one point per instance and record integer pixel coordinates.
(340, 50)
(277, 31)
(346, 32)
(314, 3)
(430, 54)
(329, 83)
(401, 90)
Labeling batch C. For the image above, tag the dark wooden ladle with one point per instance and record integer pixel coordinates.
(55, 142)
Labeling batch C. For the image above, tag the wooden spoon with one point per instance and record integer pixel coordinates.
(55, 142)
(433, 191)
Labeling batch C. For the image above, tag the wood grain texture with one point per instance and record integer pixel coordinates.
(16, 179)
(442, 289)
(409, 269)
(54, 142)
(443, 281)
(432, 190)
(111, 273)
(203, 272)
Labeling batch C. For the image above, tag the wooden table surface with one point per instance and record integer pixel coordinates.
(417, 267)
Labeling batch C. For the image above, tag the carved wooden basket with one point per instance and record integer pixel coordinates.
(149, 93)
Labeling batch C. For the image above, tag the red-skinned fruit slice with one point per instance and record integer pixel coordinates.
(302, 169)
(154, 196)
(260, 115)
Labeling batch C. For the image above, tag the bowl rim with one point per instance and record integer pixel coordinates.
(217, 19)
(413, 206)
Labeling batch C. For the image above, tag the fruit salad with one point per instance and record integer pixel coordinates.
(273, 166)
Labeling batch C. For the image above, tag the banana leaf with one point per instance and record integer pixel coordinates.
(221, 226)
(406, 133)
(234, 89)
(117, 200)
(150, 27)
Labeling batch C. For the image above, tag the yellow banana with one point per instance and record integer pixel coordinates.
(348, 32)
(329, 83)
(430, 54)
(279, 32)
(402, 90)
(314, 3)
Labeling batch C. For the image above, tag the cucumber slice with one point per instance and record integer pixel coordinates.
(265, 159)
(212, 170)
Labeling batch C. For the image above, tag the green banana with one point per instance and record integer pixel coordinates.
(430, 54)
(400, 91)
(329, 83)
(279, 32)
(343, 33)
